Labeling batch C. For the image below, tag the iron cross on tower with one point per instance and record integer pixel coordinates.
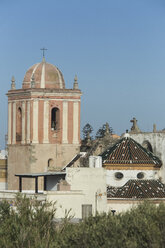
(43, 50)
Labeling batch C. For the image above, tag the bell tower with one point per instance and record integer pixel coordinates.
(43, 123)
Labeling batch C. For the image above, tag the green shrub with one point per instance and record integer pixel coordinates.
(30, 223)
(27, 224)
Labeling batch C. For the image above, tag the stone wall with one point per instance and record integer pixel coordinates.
(25, 159)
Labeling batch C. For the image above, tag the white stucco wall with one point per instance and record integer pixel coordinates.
(88, 186)
(67, 202)
(157, 141)
(128, 174)
(92, 181)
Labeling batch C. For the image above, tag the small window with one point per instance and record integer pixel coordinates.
(119, 175)
(140, 175)
(55, 119)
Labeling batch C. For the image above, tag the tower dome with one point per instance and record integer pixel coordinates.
(43, 75)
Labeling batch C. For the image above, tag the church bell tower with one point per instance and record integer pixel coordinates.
(43, 123)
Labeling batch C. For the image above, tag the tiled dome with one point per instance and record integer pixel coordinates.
(128, 152)
(43, 75)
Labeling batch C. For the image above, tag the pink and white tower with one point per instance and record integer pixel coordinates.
(43, 123)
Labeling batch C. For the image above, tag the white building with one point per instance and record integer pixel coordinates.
(130, 174)
(79, 191)
(133, 175)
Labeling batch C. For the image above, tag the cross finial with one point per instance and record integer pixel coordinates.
(43, 51)
(135, 127)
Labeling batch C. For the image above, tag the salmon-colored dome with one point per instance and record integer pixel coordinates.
(43, 75)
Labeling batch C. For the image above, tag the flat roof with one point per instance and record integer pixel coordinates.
(50, 173)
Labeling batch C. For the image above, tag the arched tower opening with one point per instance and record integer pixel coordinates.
(55, 118)
(19, 125)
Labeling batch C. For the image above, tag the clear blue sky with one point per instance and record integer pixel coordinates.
(116, 47)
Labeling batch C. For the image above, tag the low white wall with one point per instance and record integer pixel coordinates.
(3, 185)
(67, 202)
(122, 205)
(11, 194)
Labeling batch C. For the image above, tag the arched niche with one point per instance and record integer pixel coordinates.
(50, 163)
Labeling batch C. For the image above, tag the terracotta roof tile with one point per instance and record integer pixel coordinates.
(128, 151)
(138, 189)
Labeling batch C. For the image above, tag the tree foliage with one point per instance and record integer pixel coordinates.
(87, 130)
(30, 223)
(102, 130)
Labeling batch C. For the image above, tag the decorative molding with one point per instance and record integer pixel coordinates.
(28, 122)
(46, 122)
(35, 121)
(75, 123)
(14, 124)
(9, 123)
(23, 123)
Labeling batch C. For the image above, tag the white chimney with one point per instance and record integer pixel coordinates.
(95, 162)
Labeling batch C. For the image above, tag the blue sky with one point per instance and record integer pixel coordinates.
(116, 48)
